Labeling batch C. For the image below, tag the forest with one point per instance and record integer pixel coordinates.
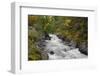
(71, 30)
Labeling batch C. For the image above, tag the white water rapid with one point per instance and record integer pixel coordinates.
(56, 49)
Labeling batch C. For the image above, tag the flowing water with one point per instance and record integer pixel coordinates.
(56, 49)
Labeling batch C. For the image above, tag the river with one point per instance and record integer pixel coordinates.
(56, 49)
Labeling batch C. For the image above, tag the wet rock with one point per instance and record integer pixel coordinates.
(41, 44)
(61, 37)
(72, 44)
(47, 37)
(83, 48)
(65, 40)
(44, 55)
(51, 52)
